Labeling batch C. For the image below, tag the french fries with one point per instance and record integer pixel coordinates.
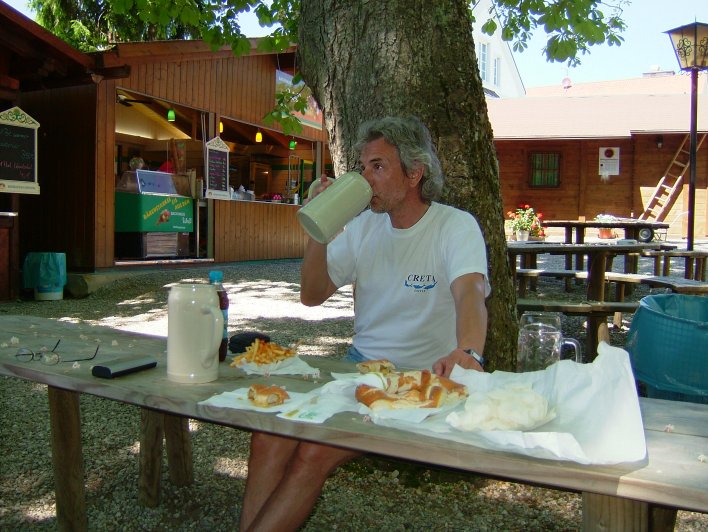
(260, 352)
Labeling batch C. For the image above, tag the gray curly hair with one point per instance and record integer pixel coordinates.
(412, 140)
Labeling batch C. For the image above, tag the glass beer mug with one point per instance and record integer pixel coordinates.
(540, 341)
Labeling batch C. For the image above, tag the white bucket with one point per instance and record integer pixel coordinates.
(49, 293)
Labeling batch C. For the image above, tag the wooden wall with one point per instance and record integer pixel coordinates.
(583, 193)
(106, 159)
(240, 88)
(63, 217)
(255, 230)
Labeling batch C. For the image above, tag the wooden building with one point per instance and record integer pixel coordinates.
(551, 143)
(115, 105)
(98, 112)
(31, 58)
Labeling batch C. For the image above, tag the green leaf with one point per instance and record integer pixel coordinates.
(489, 27)
(241, 46)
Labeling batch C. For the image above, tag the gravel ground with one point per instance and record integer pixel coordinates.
(370, 493)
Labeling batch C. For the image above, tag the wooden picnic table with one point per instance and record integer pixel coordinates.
(622, 496)
(598, 254)
(639, 230)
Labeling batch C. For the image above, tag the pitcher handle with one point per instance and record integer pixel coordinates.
(211, 355)
(576, 347)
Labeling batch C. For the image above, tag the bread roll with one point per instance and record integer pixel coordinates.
(408, 389)
(267, 396)
(381, 366)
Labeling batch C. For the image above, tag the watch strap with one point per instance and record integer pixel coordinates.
(474, 354)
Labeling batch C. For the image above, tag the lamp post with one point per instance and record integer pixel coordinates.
(690, 42)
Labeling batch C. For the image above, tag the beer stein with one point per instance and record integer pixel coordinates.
(195, 326)
(540, 345)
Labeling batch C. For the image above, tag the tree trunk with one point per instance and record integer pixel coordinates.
(365, 59)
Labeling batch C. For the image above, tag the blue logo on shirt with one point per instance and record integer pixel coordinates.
(420, 283)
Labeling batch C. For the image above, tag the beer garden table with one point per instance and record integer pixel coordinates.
(639, 230)
(623, 495)
(597, 253)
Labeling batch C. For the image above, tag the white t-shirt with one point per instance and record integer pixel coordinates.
(404, 309)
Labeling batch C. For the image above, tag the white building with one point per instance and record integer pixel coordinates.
(497, 68)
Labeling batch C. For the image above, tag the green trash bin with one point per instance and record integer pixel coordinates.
(667, 346)
(46, 273)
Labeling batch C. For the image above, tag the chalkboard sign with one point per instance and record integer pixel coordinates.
(18, 152)
(217, 170)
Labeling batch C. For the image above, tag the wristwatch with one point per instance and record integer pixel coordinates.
(474, 354)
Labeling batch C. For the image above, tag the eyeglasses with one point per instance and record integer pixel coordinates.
(50, 358)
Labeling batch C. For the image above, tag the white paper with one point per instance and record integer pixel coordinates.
(290, 366)
(319, 407)
(239, 399)
(598, 420)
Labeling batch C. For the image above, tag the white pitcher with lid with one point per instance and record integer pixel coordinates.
(195, 327)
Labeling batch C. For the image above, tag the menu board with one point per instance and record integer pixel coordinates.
(217, 169)
(18, 152)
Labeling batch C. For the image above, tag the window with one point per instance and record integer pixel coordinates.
(497, 71)
(483, 59)
(545, 170)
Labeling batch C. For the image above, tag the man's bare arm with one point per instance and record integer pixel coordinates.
(471, 323)
(315, 285)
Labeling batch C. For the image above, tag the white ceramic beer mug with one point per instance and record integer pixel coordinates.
(195, 326)
(327, 214)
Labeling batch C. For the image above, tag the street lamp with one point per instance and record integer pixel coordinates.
(690, 42)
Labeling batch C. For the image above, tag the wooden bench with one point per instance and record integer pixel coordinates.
(694, 262)
(581, 308)
(675, 284)
(523, 275)
(595, 312)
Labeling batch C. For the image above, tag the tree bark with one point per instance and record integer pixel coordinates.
(365, 59)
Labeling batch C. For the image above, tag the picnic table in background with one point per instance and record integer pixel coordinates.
(639, 230)
(597, 253)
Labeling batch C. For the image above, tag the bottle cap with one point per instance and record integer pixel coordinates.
(216, 276)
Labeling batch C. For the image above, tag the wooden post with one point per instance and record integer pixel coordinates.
(151, 432)
(597, 262)
(608, 514)
(179, 449)
(67, 458)
(154, 426)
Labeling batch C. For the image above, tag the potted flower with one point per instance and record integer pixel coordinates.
(605, 232)
(526, 223)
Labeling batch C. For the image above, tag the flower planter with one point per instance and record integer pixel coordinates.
(522, 236)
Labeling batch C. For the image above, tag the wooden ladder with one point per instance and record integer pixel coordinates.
(669, 186)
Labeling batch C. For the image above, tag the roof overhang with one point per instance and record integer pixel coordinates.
(33, 58)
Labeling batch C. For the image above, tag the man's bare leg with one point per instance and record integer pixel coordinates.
(296, 494)
(267, 463)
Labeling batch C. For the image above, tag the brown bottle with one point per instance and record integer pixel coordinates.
(216, 278)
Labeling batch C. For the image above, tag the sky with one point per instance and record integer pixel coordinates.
(645, 47)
